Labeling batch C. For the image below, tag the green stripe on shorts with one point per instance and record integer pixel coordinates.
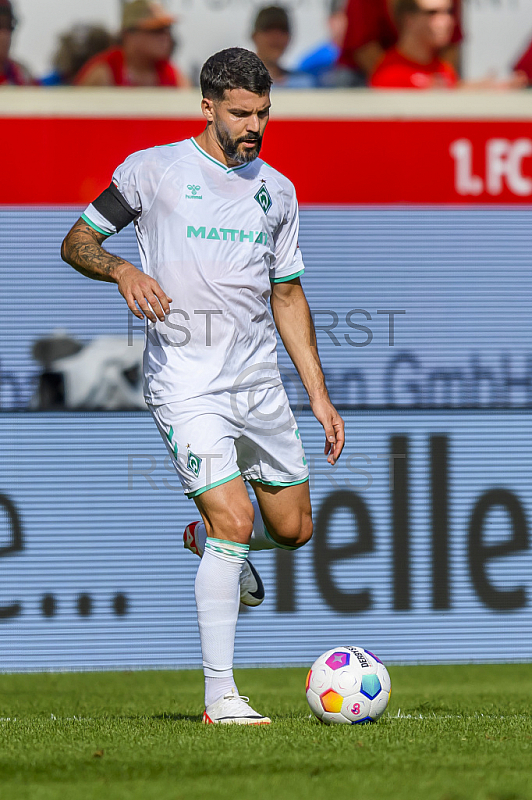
(278, 483)
(212, 485)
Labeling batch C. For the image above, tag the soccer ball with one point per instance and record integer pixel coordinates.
(347, 686)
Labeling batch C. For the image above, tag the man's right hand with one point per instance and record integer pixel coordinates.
(82, 249)
(142, 293)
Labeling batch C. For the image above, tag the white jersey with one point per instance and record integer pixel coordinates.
(214, 238)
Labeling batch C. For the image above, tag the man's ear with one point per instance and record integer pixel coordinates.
(207, 107)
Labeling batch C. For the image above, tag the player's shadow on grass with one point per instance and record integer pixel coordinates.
(178, 717)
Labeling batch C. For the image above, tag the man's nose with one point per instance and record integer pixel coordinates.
(253, 124)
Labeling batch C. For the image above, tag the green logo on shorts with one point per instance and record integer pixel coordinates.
(263, 199)
(170, 437)
(194, 463)
(298, 437)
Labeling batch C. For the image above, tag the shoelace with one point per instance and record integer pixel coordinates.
(239, 697)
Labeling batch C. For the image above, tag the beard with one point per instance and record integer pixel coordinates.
(230, 146)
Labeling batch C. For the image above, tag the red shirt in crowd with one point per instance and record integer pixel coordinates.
(525, 63)
(167, 74)
(15, 75)
(371, 21)
(395, 71)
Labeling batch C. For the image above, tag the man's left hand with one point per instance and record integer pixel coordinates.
(333, 424)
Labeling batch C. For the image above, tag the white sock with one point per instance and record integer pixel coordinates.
(217, 687)
(218, 600)
(260, 538)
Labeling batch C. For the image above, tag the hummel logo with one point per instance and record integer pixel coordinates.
(194, 192)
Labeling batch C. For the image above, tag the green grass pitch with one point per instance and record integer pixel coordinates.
(450, 733)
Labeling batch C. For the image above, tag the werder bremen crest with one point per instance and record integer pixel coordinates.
(193, 463)
(263, 199)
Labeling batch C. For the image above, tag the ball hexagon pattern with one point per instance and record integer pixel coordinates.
(346, 681)
(347, 686)
(338, 660)
(332, 701)
(371, 686)
(384, 678)
(314, 702)
(356, 708)
(319, 679)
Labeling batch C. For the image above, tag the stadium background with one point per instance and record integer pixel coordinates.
(497, 30)
(415, 229)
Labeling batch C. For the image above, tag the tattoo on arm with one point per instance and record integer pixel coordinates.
(82, 249)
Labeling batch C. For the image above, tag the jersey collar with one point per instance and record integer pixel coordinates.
(215, 161)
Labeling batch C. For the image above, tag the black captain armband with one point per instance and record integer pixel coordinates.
(115, 208)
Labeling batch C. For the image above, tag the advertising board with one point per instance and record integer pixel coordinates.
(417, 248)
(421, 550)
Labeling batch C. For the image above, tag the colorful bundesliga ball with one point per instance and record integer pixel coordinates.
(348, 685)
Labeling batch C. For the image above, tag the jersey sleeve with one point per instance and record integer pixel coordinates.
(119, 204)
(288, 261)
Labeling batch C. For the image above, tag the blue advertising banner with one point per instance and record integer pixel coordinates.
(421, 550)
(414, 307)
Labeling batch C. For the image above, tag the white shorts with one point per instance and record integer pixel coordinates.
(216, 437)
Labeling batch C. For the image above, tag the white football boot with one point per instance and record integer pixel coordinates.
(233, 709)
(251, 586)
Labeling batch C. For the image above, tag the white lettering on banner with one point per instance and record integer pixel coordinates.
(465, 182)
(505, 160)
(503, 166)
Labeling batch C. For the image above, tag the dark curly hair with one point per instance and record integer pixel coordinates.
(234, 68)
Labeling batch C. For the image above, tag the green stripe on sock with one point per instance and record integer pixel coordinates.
(228, 542)
(224, 547)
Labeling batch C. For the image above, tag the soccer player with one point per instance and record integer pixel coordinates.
(217, 230)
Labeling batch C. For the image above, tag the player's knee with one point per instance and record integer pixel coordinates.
(238, 527)
(306, 530)
(297, 531)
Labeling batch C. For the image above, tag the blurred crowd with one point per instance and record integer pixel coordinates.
(403, 44)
